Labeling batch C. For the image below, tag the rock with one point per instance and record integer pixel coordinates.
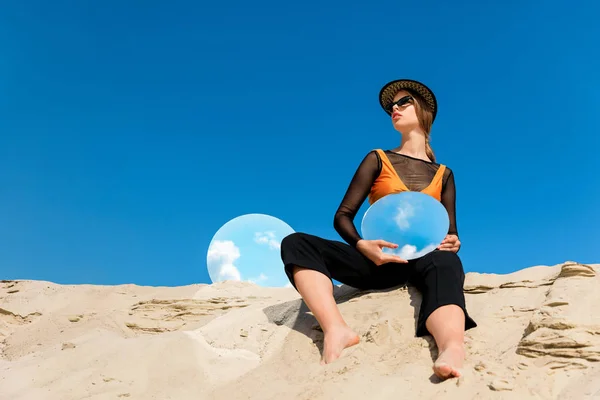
(566, 326)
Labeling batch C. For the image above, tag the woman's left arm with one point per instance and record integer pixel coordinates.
(451, 242)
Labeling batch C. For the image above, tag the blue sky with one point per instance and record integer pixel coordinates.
(130, 132)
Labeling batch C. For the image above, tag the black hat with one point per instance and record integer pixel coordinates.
(390, 89)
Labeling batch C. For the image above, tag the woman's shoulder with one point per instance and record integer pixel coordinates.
(447, 168)
(372, 157)
(374, 153)
(371, 161)
(448, 173)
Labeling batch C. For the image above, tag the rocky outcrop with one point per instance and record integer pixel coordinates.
(566, 325)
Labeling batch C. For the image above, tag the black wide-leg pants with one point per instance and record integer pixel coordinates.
(438, 275)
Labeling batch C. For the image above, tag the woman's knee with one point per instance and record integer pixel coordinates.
(294, 245)
(291, 240)
(445, 257)
(448, 260)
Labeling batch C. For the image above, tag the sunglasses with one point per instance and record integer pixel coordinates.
(399, 103)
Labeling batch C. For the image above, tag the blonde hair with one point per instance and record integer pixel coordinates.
(425, 117)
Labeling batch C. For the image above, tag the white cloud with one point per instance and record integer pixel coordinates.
(267, 238)
(221, 257)
(409, 251)
(403, 213)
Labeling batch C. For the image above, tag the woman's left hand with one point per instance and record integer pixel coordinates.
(450, 243)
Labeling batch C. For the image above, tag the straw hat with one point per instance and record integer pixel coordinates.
(390, 89)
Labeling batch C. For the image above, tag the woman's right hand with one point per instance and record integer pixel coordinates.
(373, 250)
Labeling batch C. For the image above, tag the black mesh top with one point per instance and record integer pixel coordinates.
(416, 175)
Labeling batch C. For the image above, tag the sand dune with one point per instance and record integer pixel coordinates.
(538, 338)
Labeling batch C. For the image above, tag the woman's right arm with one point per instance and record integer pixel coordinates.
(355, 195)
(357, 192)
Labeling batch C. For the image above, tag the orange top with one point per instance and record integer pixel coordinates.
(389, 182)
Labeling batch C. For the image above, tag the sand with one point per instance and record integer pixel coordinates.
(538, 338)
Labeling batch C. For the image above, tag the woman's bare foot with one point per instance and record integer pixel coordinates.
(335, 341)
(449, 362)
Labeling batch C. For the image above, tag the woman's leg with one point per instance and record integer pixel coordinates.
(317, 292)
(440, 278)
(311, 263)
(447, 326)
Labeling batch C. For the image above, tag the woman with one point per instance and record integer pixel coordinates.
(311, 262)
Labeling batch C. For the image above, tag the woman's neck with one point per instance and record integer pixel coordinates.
(413, 145)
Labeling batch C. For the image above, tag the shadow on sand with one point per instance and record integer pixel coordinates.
(295, 315)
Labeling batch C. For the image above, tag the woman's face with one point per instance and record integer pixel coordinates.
(404, 116)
